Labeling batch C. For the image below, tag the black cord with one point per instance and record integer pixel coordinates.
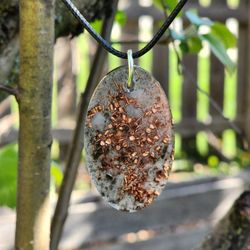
(107, 45)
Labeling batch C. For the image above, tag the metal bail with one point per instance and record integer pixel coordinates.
(130, 84)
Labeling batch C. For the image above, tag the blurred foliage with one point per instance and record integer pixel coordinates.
(213, 161)
(218, 36)
(169, 5)
(56, 174)
(120, 19)
(213, 167)
(8, 175)
(191, 37)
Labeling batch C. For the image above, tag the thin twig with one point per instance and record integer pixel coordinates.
(76, 147)
(9, 90)
(213, 102)
(182, 69)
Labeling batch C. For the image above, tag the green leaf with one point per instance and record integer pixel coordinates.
(194, 45)
(120, 17)
(56, 174)
(224, 35)
(170, 5)
(193, 41)
(177, 36)
(196, 20)
(191, 31)
(213, 161)
(97, 25)
(158, 4)
(219, 51)
(184, 47)
(8, 176)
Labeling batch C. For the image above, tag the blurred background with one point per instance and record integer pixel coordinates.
(211, 165)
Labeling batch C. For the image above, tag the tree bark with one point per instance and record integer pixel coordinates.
(233, 231)
(65, 23)
(35, 87)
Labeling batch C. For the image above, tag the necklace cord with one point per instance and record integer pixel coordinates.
(73, 9)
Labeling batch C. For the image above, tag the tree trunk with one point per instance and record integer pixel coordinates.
(35, 84)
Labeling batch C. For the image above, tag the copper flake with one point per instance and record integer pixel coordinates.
(129, 140)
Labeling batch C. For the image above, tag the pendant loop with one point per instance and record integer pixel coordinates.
(130, 84)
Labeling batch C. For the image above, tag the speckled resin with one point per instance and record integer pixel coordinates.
(129, 139)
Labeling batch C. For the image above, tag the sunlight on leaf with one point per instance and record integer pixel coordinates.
(8, 176)
(196, 20)
(177, 35)
(120, 17)
(56, 174)
(219, 51)
(97, 25)
(169, 4)
(194, 45)
(224, 34)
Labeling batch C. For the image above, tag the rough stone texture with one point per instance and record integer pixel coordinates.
(129, 139)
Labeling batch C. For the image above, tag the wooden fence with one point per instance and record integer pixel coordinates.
(191, 110)
(189, 124)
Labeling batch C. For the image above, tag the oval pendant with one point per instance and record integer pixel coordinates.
(129, 139)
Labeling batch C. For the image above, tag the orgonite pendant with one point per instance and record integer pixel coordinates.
(129, 139)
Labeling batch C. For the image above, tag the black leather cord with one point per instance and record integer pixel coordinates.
(72, 8)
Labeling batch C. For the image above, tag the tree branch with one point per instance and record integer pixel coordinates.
(233, 230)
(76, 147)
(8, 90)
(65, 25)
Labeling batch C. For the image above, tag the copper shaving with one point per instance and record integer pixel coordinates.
(126, 136)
